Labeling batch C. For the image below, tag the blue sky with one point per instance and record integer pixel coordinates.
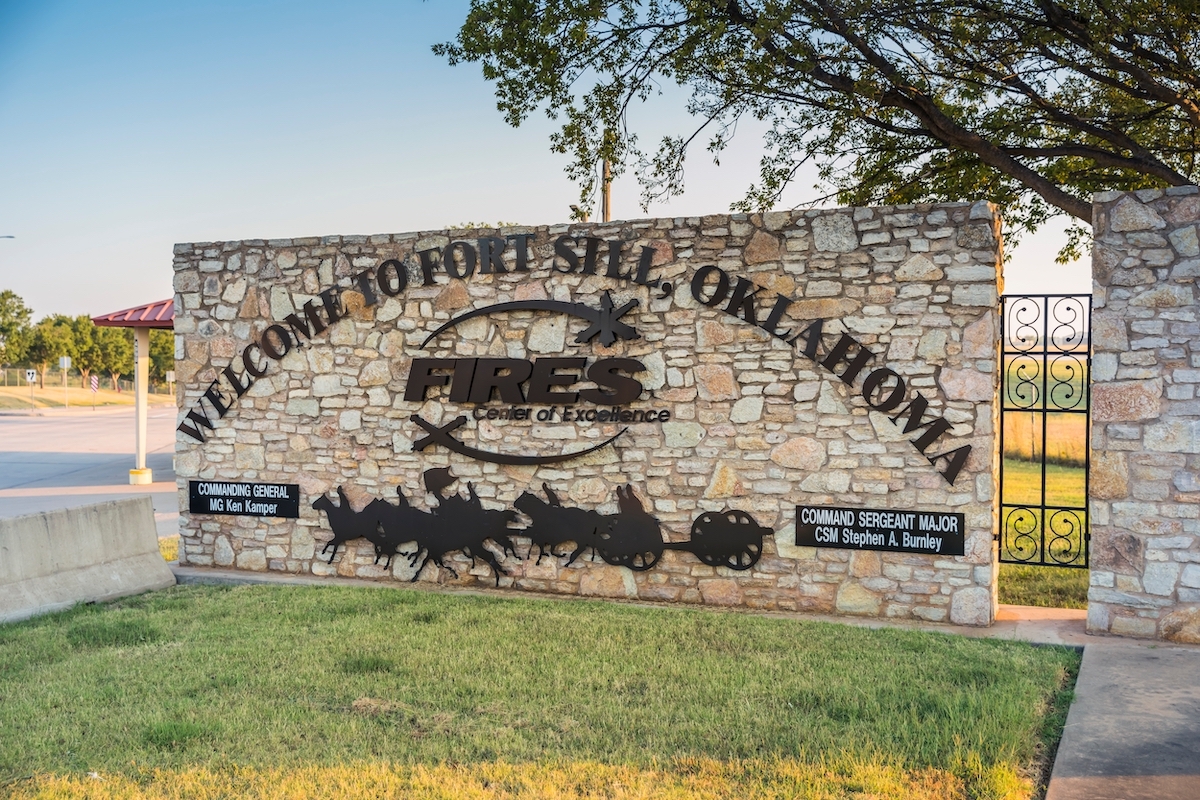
(131, 125)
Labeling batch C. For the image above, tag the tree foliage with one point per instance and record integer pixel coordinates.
(1033, 104)
(14, 327)
(162, 354)
(116, 352)
(89, 347)
(50, 340)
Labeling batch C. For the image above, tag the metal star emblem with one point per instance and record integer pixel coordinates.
(607, 323)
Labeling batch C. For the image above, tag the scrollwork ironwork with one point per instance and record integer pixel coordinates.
(1046, 363)
(1070, 330)
(1067, 374)
(1067, 539)
(1023, 383)
(1020, 543)
(1024, 335)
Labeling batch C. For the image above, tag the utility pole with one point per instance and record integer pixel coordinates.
(606, 194)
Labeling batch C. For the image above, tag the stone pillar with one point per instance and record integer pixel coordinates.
(1145, 484)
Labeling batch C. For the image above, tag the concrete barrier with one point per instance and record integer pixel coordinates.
(53, 560)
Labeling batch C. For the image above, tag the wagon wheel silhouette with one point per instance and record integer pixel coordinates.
(729, 526)
(638, 562)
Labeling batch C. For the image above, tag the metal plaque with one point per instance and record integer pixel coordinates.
(244, 499)
(936, 533)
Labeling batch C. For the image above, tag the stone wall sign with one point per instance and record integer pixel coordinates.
(627, 409)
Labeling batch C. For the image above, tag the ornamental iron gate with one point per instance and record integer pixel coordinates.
(1045, 423)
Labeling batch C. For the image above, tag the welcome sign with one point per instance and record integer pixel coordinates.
(655, 398)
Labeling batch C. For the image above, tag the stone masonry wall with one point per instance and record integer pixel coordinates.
(755, 423)
(1145, 484)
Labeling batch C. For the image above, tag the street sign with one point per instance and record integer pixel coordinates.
(95, 383)
(64, 362)
(31, 375)
(170, 376)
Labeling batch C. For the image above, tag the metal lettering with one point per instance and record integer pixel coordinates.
(698, 281)
(743, 300)
(875, 380)
(491, 255)
(853, 366)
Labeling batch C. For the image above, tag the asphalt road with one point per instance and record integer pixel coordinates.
(67, 458)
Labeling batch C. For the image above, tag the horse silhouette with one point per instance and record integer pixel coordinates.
(555, 524)
(346, 523)
(398, 524)
(454, 524)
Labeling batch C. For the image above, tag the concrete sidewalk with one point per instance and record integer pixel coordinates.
(1133, 731)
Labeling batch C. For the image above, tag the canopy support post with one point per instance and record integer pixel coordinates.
(141, 379)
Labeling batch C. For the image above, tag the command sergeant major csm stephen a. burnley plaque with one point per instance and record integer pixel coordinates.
(931, 532)
(244, 499)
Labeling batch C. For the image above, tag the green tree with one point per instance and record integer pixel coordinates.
(116, 352)
(87, 356)
(14, 327)
(1033, 104)
(162, 354)
(51, 339)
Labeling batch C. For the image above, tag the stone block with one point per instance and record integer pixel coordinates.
(716, 382)
(249, 456)
(222, 552)
(979, 338)
(1160, 577)
(682, 434)
(801, 452)
(1170, 296)
(763, 247)
(375, 373)
(1109, 477)
(253, 560)
(972, 606)
(607, 581)
(1130, 215)
(852, 598)
(721, 592)
(834, 233)
(968, 384)
(748, 409)
(303, 406)
(1139, 627)
(1191, 576)
(1173, 436)
(1126, 401)
(1109, 332)
(1182, 625)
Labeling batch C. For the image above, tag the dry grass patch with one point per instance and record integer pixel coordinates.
(682, 779)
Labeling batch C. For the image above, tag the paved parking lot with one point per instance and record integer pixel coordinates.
(67, 458)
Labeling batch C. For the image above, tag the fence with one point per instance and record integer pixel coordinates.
(14, 377)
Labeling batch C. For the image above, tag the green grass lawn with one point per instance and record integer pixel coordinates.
(218, 691)
(1053, 587)
(1049, 587)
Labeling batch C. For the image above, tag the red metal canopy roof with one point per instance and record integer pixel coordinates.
(151, 315)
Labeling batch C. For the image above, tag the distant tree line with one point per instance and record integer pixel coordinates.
(40, 345)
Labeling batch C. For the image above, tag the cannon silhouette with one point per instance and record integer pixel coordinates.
(633, 537)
